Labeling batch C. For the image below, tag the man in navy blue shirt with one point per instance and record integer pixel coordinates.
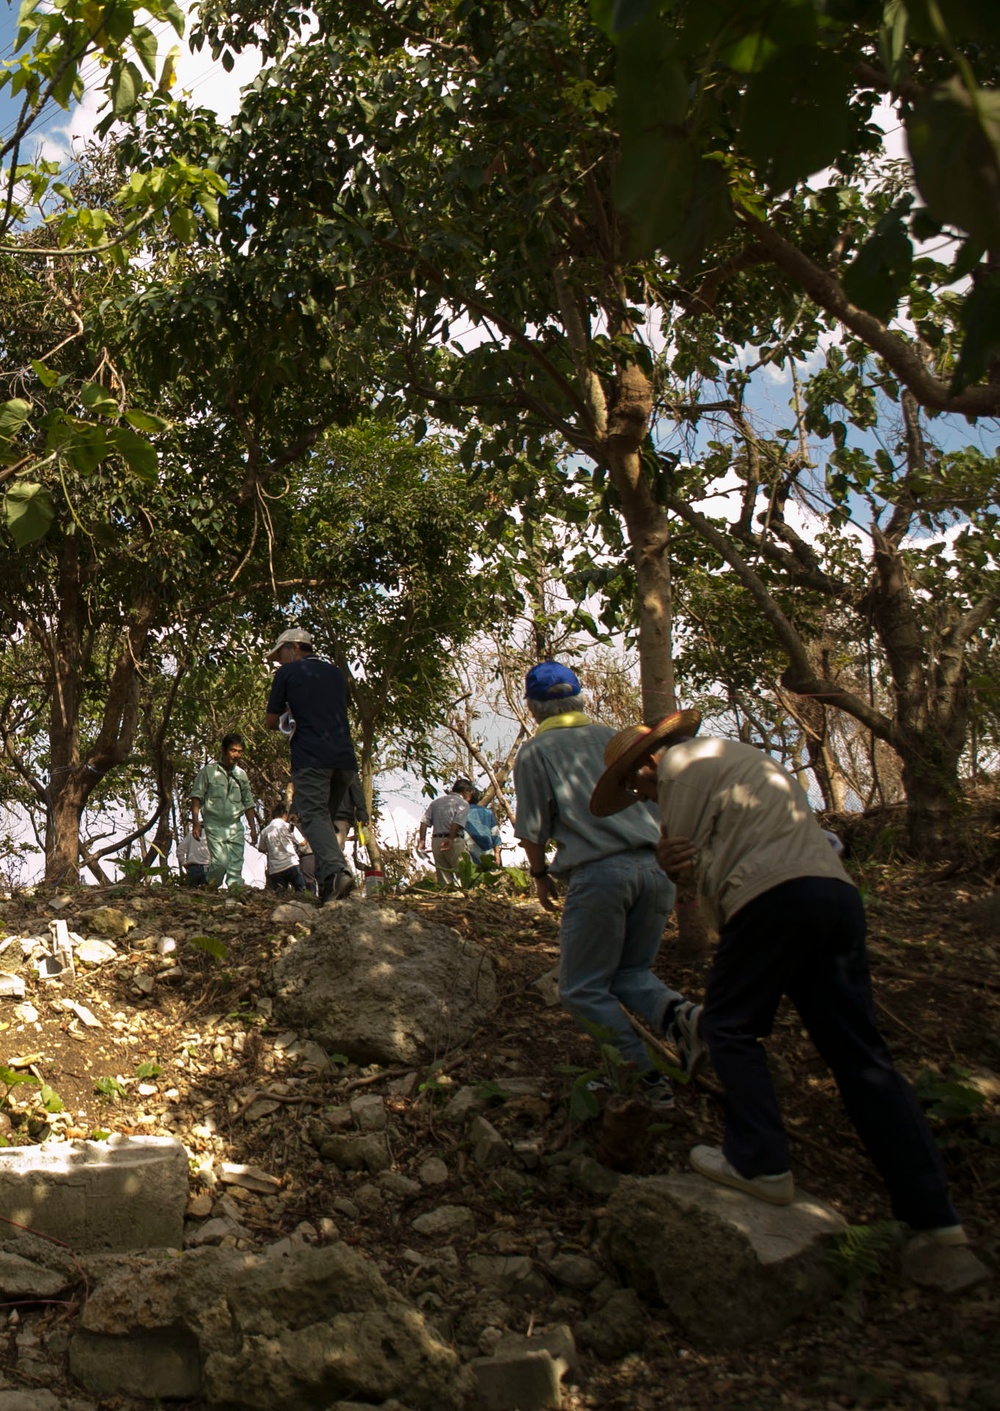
(308, 702)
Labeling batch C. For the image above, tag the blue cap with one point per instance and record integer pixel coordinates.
(548, 681)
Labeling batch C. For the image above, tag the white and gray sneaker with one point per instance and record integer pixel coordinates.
(684, 1031)
(709, 1161)
(658, 1091)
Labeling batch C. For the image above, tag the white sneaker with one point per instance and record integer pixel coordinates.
(776, 1190)
(947, 1235)
(941, 1259)
(684, 1030)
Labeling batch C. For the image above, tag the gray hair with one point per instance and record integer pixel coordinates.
(543, 710)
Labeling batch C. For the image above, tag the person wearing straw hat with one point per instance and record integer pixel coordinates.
(791, 922)
(617, 898)
(308, 702)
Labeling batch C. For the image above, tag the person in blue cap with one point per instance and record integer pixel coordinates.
(617, 898)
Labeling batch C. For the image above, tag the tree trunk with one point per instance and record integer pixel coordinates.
(67, 797)
(649, 535)
(73, 779)
(930, 782)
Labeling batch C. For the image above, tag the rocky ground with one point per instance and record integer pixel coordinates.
(169, 1029)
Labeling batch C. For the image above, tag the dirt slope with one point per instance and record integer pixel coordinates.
(198, 1057)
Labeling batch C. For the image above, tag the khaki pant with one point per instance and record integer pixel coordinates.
(446, 859)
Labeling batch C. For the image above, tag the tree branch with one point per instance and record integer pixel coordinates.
(895, 351)
(801, 676)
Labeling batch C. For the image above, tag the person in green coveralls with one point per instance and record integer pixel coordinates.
(220, 799)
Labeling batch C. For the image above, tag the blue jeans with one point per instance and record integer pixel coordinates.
(291, 877)
(318, 795)
(613, 918)
(806, 939)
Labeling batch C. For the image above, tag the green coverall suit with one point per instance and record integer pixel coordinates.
(224, 797)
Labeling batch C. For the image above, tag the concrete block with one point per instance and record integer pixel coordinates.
(127, 1193)
(522, 1381)
(161, 1363)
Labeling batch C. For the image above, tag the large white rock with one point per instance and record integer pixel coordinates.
(306, 1328)
(730, 1268)
(382, 986)
(126, 1193)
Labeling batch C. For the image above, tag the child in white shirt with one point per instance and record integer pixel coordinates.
(277, 841)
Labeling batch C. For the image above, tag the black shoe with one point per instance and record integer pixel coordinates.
(326, 890)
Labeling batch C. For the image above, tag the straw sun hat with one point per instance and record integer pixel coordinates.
(624, 751)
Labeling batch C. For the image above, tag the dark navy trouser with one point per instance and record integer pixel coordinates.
(806, 939)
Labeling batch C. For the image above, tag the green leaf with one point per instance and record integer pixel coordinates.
(183, 223)
(880, 272)
(51, 1100)
(211, 945)
(136, 452)
(97, 399)
(796, 118)
(955, 146)
(981, 323)
(963, 19)
(29, 512)
(13, 415)
(13, 1078)
(145, 45)
(126, 84)
(628, 12)
(109, 1087)
(750, 53)
(146, 421)
(652, 85)
(676, 200)
(148, 1070)
(45, 375)
(86, 449)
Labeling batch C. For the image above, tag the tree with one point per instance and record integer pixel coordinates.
(417, 171)
(925, 596)
(377, 548)
(728, 107)
(127, 540)
(50, 212)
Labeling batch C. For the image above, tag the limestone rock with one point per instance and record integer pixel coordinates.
(382, 986)
(398, 1185)
(108, 921)
(23, 1279)
(731, 1269)
(446, 1220)
(466, 1103)
(289, 913)
(576, 1271)
(950, 1268)
(367, 1152)
(14, 1399)
(519, 1381)
(489, 1148)
(557, 1341)
(590, 1177)
(508, 1274)
(369, 1112)
(94, 951)
(616, 1329)
(309, 1328)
